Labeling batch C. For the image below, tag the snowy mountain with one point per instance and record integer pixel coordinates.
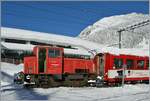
(143, 44)
(104, 31)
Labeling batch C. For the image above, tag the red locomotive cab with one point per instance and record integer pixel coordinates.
(49, 60)
(45, 60)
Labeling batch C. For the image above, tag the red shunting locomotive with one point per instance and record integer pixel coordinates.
(51, 66)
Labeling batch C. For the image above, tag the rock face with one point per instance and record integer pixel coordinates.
(104, 31)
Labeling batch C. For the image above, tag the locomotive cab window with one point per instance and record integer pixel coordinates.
(130, 63)
(118, 63)
(53, 53)
(140, 63)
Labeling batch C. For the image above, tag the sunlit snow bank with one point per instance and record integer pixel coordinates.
(7, 72)
(10, 69)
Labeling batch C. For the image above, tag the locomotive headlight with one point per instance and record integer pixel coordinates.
(28, 77)
(100, 77)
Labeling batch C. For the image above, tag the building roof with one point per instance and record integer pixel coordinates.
(83, 46)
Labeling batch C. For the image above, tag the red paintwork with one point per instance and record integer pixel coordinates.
(109, 60)
(30, 65)
(70, 64)
(57, 65)
(62, 65)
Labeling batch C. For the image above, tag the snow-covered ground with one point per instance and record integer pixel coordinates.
(12, 92)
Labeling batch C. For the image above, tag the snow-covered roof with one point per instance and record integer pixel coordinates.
(16, 46)
(29, 47)
(126, 51)
(21, 34)
(83, 46)
(79, 51)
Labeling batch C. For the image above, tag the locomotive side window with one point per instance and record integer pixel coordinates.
(147, 63)
(53, 53)
(140, 63)
(130, 63)
(118, 63)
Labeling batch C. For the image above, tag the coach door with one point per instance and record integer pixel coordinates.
(42, 60)
(101, 64)
(55, 61)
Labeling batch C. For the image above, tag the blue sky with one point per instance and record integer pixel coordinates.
(65, 18)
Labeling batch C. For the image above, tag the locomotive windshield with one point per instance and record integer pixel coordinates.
(52, 53)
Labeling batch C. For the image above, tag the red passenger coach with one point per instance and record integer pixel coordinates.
(112, 67)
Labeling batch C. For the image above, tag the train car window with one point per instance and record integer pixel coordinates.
(118, 63)
(57, 53)
(147, 63)
(130, 63)
(53, 53)
(140, 63)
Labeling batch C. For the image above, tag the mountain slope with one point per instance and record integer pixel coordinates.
(104, 31)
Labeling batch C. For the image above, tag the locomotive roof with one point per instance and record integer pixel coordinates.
(76, 50)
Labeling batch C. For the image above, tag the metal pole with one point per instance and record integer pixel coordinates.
(149, 54)
(123, 77)
(123, 69)
(149, 66)
(119, 39)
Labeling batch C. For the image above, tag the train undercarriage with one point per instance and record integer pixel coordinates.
(48, 81)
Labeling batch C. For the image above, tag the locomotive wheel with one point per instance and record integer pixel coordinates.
(67, 83)
(75, 83)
